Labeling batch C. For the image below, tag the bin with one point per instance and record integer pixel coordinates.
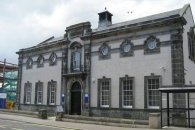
(43, 114)
(154, 120)
(59, 116)
(2, 103)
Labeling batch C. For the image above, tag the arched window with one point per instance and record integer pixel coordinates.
(51, 92)
(126, 48)
(75, 56)
(39, 93)
(27, 92)
(104, 51)
(40, 61)
(53, 59)
(29, 63)
(151, 45)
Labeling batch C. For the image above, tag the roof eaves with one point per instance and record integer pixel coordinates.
(183, 10)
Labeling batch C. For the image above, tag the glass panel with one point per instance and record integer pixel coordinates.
(105, 92)
(127, 91)
(153, 93)
(76, 60)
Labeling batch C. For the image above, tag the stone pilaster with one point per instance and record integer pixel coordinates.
(177, 66)
(18, 90)
(178, 77)
(87, 64)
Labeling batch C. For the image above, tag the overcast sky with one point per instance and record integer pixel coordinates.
(25, 23)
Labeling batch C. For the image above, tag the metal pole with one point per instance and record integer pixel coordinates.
(188, 110)
(168, 109)
(161, 110)
(4, 72)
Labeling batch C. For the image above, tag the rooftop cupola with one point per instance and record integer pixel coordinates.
(105, 19)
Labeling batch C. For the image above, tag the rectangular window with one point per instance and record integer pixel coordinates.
(39, 93)
(52, 86)
(76, 60)
(104, 85)
(191, 44)
(52, 93)
(127, 92)
(153, 94)
(27, 93)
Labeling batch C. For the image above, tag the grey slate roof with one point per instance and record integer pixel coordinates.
(51, 40)
(177, 12)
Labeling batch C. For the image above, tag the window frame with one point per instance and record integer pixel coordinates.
(28, 65)
(122, 51)
(53, 55)
(121, 91)
(76, 66)
(101, 55)
(147, 50)
(27, 92)
(147, 100)
(39, 90)
(191, 44)
(51, 84)
(108, 92)
(38, 61)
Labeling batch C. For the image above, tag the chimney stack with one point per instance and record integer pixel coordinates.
(105, 19)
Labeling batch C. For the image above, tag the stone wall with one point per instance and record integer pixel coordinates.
(36, 108)
(142, 114)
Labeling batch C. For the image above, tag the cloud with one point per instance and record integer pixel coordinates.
(25, 24)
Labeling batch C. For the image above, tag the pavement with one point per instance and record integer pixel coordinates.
(51, 123)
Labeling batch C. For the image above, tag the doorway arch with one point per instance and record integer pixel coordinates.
(76, 99)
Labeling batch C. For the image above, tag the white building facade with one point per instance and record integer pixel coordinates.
(114, 70)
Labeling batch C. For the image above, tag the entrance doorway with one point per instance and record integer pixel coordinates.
(76, 99)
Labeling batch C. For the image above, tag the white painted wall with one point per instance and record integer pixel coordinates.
(44, 74)
(137, 66)
(188, 64)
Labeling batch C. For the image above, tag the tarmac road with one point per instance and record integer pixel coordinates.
(9, 121)
(17, 125)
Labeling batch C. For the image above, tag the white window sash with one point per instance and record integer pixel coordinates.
(28, 95)
(52, 95)
(129, 90)
(152, 89)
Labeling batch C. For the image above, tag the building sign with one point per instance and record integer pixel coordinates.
(86, 98)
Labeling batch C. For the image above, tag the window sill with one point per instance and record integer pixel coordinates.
(104, 106)
(127, 107)
(153, 107)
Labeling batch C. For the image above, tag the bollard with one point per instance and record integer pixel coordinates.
(43, 113)
(59, 116)
(154, 120)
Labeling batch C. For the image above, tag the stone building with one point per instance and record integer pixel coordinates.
(114, 70)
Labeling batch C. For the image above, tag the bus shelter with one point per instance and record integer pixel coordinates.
(178, 116)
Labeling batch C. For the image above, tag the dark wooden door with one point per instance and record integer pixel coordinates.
(76, 103)
(76, 99)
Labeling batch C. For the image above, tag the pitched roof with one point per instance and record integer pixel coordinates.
(51, 40)
(177, 12)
